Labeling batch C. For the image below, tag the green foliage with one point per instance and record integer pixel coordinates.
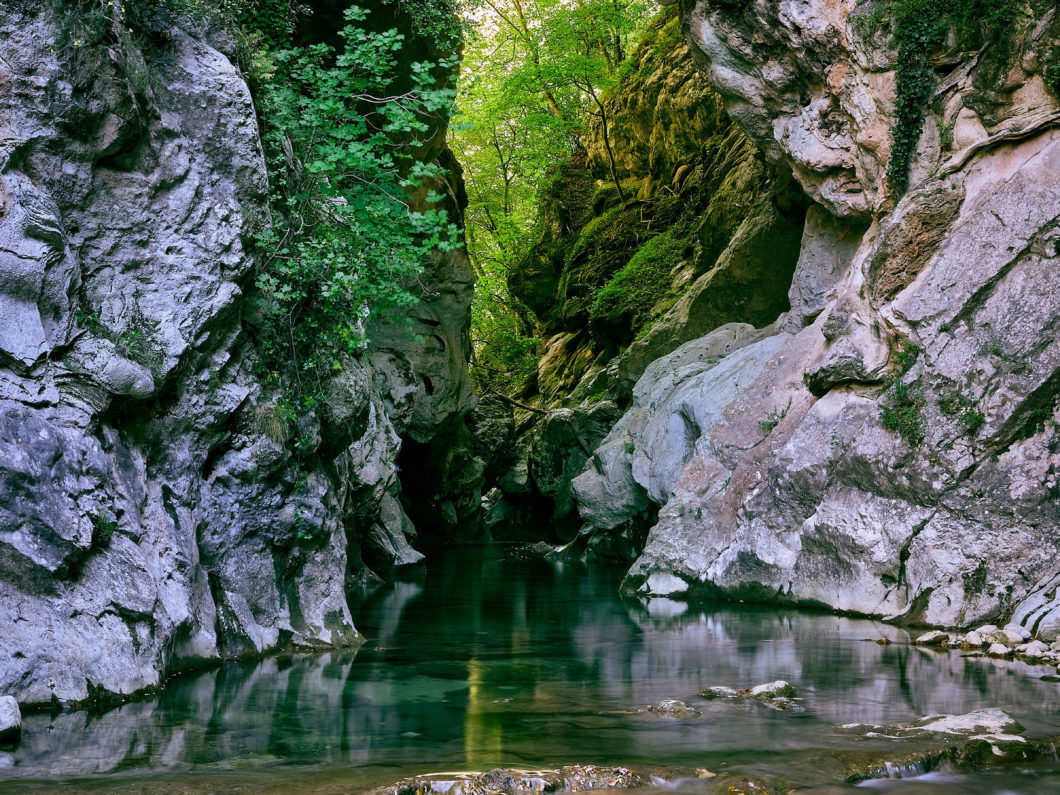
(1051, 70)
(103, 528)
(624, 305)
(902, 409)
(903, 403)
(528, 80)
(905, 358)
(945, 136)
(340, 130)
(963, 408)
(920, 29)
(504, 355)
(434, 20)
(772, 420)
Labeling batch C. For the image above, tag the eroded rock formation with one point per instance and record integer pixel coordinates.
(703, 233)
(889, 446)
(152, 514)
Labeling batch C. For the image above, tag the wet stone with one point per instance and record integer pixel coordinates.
(10, 721)
(672, 708)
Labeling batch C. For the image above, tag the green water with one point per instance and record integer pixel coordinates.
(496, 658)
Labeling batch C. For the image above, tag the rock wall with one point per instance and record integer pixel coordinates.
(152, 515)
(890, 445)
(704, 233)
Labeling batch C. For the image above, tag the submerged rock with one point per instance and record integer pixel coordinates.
(671, 708)
(988, 736)
(574, 778)
(777, 695)
(985, 722)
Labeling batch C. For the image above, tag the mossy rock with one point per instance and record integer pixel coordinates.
(606, 244)
(566, 206)
(624, 306)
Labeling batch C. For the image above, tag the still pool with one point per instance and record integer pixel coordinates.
(494, 657)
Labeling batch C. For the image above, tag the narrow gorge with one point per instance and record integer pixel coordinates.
(686, 328)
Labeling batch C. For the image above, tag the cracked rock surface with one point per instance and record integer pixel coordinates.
(149, 516)
(775, 472)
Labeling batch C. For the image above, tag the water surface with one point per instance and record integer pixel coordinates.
(493, 657)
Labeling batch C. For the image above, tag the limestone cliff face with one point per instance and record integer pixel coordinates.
(890, 446)
(151, 515)
(703, 233)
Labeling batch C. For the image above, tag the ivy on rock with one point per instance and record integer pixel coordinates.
(920, 29)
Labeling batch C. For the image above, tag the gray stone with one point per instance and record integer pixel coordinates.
(10, 721)
(933, 638)
(671, 708)
(1007, 637)
(719, 691)
(777, 689)
(147, 481)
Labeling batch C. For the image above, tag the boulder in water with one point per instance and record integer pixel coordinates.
(10, 721)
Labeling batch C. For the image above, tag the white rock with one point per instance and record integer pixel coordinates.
(1007, 636)
(986, 629)
(10, 720)
(982, 721)
(772, 689)
(933, 638)
(719, 691)
(973, 638)
(998, 650)
(1023, 632)
(1033, 649)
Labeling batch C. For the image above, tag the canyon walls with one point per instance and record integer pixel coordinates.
(153, 511)
(889, 445)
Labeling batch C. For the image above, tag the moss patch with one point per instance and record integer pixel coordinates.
(623, 307)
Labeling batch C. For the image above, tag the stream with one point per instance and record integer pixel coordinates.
(492, 657)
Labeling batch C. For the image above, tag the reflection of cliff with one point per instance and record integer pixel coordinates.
(844, 675)
(527, 663)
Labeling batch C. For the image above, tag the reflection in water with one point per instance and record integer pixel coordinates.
(495, 660)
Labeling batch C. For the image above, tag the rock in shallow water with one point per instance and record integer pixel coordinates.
(10, 721)
(502, 781)
(672, 708)
(933, 638)
(777, 695)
